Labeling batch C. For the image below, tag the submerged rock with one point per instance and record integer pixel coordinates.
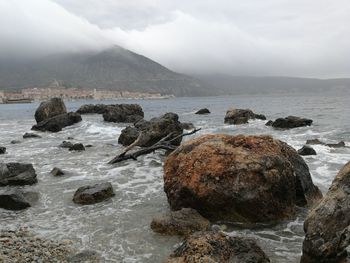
(56, 172)
(340, 144)
(128, 113)
(307, 150)
(65, 144)
(17, 174)
(152, 131)
(49, 109)
(187, 126)
(87, 195)
(238, 178)
(77, 147)
(15, 142)
(86, 256)
(13, 200)
(2, 150)
(214, 247)
(327, 225)
(203, 111)
(241, 116)
(58, 122)
(30, 135)
(181, 222)
(291, 122)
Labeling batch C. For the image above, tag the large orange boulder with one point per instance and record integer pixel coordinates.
(238, 178)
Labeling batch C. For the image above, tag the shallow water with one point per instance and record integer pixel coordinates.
(119, 228)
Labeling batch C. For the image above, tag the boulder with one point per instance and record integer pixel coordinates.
(2, 150)
(57, 123)
(30, 135)
(238, 178)
(15, 142)
(315, 142)
(128, 113)
(152, 131)
(340, 144)
(93, 109)
(56, 172)
(203, 111)
(13, 200)
(77, 147)
(87, 195)
(291, 122)
(181, 222)
(269, 123)
(241, 116)
(327, 225)
(65, 144)
(307, 150)
(216, 247)
(17, 174)
(49, 109)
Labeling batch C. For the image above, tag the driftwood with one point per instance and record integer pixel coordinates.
(164, 144)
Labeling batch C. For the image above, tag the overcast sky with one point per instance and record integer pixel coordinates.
(251, 37)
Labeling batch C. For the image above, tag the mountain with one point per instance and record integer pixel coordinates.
(113, 69)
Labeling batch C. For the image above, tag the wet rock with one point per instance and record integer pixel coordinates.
(56, 172)
(241, 116)
(93, 109)
(70, 138)
(217, 248)
(93, 194)
(327, 225)
(86, 256)
(187, 126)
(315, 142)
(181, 222)
(49, 109)
(152, 131)
(17, 174)
(203, 111)
(269, 123)
(30, 135)
(77, 147)
(65, 144)
(291, 122)
(307, 150)
(238, 178)
(13, 200)
(336, 145)
(57, 123)
(2, 150)
(340, 144)
(15, 142)
(128, 113)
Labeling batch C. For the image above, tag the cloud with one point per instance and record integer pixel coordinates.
(272, 37)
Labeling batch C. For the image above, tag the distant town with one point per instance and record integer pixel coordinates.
(28, 95)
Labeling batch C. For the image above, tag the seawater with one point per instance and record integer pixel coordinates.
(119, 229)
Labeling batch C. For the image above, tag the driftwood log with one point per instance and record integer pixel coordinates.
(164, 144)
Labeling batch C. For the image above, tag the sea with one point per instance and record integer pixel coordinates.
(119, 229)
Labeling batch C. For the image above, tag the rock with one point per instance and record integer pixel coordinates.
(93, 194)
(128, 113)
(30, 135)
(2, 150)
(241, 116)
(269, 123)
(327, 225)
(77, 147)
(152, 131)
(93, 109)
(238, 178)
(56, 172)
(13, 200)
(203, 111)
(217, 248)
(70, 138)
(17, 174)
(65, 144)
(291, 122)
(86, 256)
(187, 126)
(307, 150)
(15, 142)
(57, 123)
(336, 145)
(49, 109)
(181, 222)
(315, 141)
(332, 145)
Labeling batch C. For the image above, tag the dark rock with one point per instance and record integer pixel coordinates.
(93, 109)
(307, 150)
(238, 178)
(336, 145)
(187, 126)
(93, 194)
(57, 123)
(315, 142)
(327, 225)
(30, 135)
(65, 144)
(89, 146)
(291, 122)
(269, 123)
(340, 144)
(181, 222)
(86, 256)
(128, 113)
(152, 131)
(2, 150)
(241, 116)
(15, 142)
(56, 172)
(70, 138)
(77, 147)
(214, 247)
(13, 200)
(49, 109)
(203, 111)
(17, 174)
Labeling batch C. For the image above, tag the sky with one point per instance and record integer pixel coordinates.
(306, 38)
